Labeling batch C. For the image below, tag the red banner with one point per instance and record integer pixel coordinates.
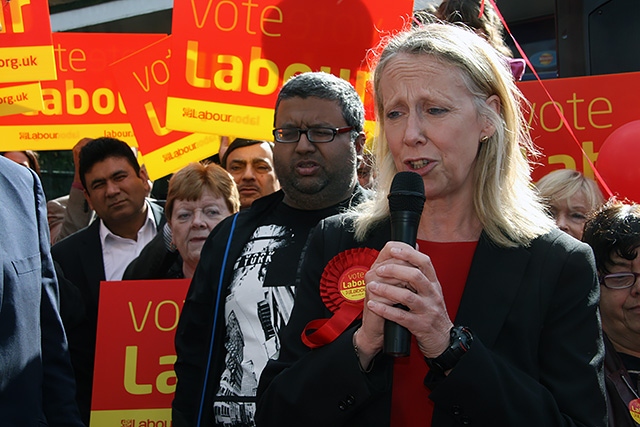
(142, 80)
(84, 101)
(232, 56)
(133, 378)
(593, 106)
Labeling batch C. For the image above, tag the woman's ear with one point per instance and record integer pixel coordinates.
(492, 102)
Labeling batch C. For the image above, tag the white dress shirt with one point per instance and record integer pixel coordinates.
(118, 252)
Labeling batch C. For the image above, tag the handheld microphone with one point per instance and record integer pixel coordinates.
(406, 201)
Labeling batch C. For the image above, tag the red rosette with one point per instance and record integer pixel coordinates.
(342, 289)
(343, 277)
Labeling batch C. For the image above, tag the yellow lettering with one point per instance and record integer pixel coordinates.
(145, 87)
(157, 128)
(575, 102)
(542, 121)
(76, 93)
(191, 72)
(164, 69)
(17, 20)
(52, 102)
(130, 369)
(257, 64)
(176, 315)
(162, 382)
(200, 23)
(249, 6)
(276, 20)
(82, 57)
(592, 112)
(362, 77)
(121, 104)
(563, 159)
(235, 16)
(587, 147)
(136, 327)
(229, 79)
(107, 95)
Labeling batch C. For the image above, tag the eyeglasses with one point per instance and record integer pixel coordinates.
(317, 134)
(619, 280)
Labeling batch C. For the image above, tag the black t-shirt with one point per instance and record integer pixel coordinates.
(632, 364)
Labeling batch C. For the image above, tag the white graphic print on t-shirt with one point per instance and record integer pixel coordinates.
(254, 314)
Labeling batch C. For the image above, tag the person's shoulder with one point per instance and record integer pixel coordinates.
(73, 241)
(16, 175)
(58, 205)
(556, 241)
(265, 202)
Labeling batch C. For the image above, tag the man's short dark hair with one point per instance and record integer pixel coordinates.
(100, 149)
(239, 143)
(326, 86)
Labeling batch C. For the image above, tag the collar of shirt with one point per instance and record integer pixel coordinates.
(118, 252)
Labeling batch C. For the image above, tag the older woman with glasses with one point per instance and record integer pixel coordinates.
(614, 234)
(199, 197)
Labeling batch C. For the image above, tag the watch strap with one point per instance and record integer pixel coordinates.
(460, 343)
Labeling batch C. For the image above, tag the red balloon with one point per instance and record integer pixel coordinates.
(619, 161)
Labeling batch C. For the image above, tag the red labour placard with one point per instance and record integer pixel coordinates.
(142, 79)
(232, 56)
(134, 379)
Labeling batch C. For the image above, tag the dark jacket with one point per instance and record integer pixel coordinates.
(619, 391)
(536, 359)
(155, 262)
(80, 268)
(36, 378)
(194, 334)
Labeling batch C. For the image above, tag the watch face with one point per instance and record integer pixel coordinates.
(461, 339)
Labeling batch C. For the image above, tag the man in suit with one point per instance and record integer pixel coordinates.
(115, 187)
(36, 379)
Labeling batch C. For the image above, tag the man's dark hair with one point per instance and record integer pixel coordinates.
(99, 149)
(239, 143)
(613, 230)
(326, 86)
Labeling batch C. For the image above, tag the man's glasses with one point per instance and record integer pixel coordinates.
(619, 280)
(317, 134)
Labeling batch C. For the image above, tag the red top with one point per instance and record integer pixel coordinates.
(410, 403)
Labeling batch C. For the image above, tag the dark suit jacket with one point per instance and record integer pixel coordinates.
(36, 379)
(80, 266)
(536, 359)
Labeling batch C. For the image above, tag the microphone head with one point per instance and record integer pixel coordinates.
(406, 193)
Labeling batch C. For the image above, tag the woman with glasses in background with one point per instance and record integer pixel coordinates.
(614, 235)
(199, 197)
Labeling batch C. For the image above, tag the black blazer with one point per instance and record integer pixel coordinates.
(80, 267)
(536, 359)
(36, 379)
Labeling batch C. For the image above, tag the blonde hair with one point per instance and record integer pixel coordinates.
(190, 182)
(504, 198)
(562, 184)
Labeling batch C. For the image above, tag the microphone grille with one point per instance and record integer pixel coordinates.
(406, 193)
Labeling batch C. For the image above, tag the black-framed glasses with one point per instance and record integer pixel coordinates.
(619, 280)
(315, 134)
